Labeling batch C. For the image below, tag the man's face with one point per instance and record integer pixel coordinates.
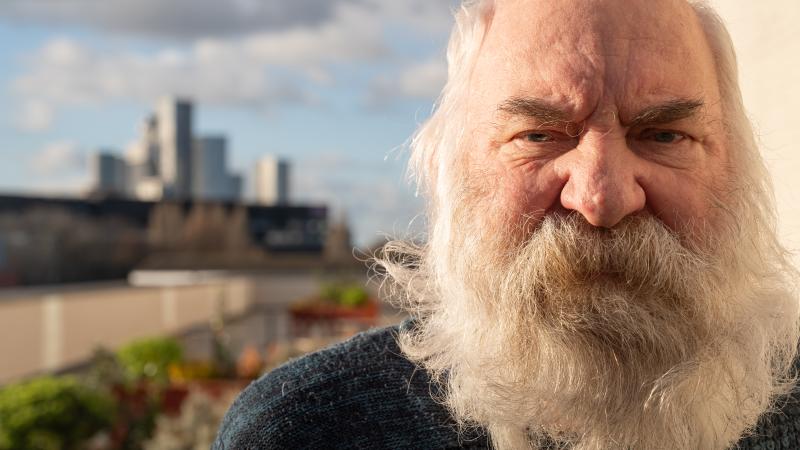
(599, 107)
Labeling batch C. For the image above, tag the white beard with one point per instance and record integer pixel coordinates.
(600, 339)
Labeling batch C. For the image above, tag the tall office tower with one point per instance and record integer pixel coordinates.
(110, 174)
(272, 181)
(175, 144)
(143, 158)
(150, 148)
(235, 185)
(210, 178)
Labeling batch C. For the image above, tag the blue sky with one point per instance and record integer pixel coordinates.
(335, 86)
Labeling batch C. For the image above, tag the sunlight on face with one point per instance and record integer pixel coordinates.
(599, 112)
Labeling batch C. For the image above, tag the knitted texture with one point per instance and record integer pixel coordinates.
(361, 394)
(364, 394)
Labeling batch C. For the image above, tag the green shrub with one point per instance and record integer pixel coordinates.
(52, 413)
(331, 292)
(345, 294)
(149, 359)
(353, 296)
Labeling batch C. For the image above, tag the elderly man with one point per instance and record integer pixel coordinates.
(601, 270)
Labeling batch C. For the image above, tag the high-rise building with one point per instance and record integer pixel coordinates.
(175, 144)
(272, 181)
(167, 162)
(150, 148)
(110, 174)
(144, 159)
(235, 185)
(210, 177)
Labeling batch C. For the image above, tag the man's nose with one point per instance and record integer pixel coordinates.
(603, 181)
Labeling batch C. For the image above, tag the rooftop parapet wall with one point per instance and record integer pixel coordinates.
(49, 329)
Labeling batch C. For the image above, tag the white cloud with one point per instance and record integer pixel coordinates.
(426, 16)
(192, 19)
(184, 19)
(353, 35)
(289, 63)
(257, 70)
(34, 116)
(66, 73)
(58, 158)
(423, 80)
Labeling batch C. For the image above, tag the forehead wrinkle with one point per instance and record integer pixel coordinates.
(587, 64)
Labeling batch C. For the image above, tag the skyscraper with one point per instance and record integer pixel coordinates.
(210, 177)
(272, 181)
(150, 148)
(110, 174)
(175, 144)
(143, 158)
(235, 185)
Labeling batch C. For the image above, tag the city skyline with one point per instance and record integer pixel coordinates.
(337, 87)
(168, 160)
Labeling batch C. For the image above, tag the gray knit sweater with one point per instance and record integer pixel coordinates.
(364, 394)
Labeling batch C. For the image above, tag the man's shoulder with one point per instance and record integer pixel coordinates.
(779, 428)
(362, 393)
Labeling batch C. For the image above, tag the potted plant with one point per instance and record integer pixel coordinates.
(145, 392)
(52, 413)
(336, 304)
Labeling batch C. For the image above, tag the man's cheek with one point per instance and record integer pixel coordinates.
(685, 203)
(514, 196)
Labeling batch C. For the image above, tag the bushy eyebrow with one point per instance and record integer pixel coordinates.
(533, 108)
(664, 113)
(544, 112)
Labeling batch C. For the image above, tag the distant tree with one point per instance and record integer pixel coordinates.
(166, 226)
(211, 227)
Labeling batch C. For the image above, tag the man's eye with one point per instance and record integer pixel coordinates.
(537, 137)
(667, 137)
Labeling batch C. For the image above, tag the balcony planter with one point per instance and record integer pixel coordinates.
(318, 309)
(323, 318)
